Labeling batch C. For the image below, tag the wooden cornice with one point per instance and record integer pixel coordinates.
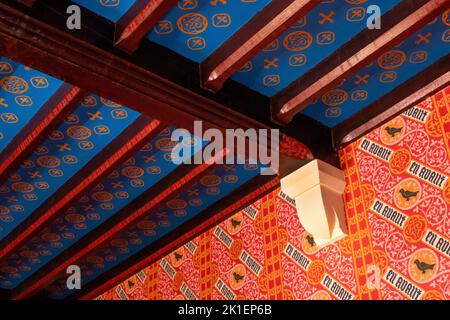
(48, 117)
(253, 37)
(138, 21)
(131, 140)
(397, 24)
(407, 95)
(210, 217)
(158, 195)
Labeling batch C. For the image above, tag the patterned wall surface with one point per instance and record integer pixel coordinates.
(306, 43)
(82, 135)
(110, 9)
(23, 92)
(398, 211)
(393, 68)
(196, 28)
(219, 183)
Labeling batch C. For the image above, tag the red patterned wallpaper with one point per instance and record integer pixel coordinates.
(397, 202)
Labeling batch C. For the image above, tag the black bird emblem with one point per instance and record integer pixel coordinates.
(235, 223)
(178, 256)
(310, 240)
(237, 277)
(130, 283)
(408, 194)
(423, 266)
(393, 131)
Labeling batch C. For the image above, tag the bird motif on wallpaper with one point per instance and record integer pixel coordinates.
(235, 223)
(237, 277)
(130, 284)
(178, 256)
(310, 240)
(423, 266)
(393, 131)
(408, 194)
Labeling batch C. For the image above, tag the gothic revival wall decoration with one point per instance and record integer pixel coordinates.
(398, 246)
(390, 70)
(313, 38)
(23, 92)
(196, 28)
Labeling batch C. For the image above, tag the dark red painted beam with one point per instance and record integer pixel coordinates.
(138, 21)
(411, 93)
(60, 54)
(253, 37)
(132, 139)
(212, 216)
(151, 200)
(48, 117)
(28, 3)
(400, 22)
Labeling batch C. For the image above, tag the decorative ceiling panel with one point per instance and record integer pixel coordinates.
(306, 43)
(110, 9)
(199, 196)
(23, 91)
(196, 28)
(84, 133)
(383, 75)
(137, 175)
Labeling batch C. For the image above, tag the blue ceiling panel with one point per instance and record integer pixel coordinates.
(110, 9)
(218, 184)
(393, 68)
(196, 28)
(84, 133)
(23, 91)
(137, 175)
(306, 43)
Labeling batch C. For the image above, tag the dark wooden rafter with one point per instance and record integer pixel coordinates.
(264, 28)
(108, 74)
(178, 181)
(397, 24)
(48, 118)
(411, 93)
(210, 217)
(131, 140)
(55, 52)
(138, 21)
(28, 3)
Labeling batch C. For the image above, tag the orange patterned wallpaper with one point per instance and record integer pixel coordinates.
(397, 201)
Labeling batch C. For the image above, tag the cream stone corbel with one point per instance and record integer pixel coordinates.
(318, 189)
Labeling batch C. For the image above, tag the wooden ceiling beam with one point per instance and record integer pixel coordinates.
(178, 181)
(57, 53)
(264, 28)
(210, 217)
(34, 133)
(138, 21)
(397, 24)
(28, 3)
(411, 93)
(60, 54)
(131, 140)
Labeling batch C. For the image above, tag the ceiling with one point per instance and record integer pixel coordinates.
(88, 181)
